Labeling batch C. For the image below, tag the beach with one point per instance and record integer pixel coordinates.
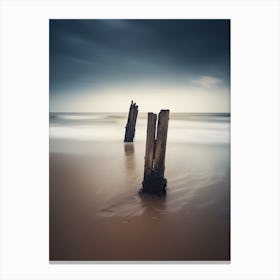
(96, 212)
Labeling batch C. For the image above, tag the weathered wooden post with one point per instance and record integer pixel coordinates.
(150, 145)
(154, 181)
(159, 162)
(131, 122)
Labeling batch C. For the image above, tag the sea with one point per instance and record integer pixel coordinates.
(197, 128)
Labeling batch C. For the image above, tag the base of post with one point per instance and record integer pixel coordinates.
(154, 185)
(129, 135)
(128, 140)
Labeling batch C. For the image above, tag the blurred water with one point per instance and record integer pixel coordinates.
(207, 128)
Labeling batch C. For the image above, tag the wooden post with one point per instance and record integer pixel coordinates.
(154, 181)
(150, 144)
(159, 163)
(131, 122)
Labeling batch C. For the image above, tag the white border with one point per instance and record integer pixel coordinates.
(255, 138)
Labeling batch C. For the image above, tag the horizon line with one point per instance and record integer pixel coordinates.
(139, 112)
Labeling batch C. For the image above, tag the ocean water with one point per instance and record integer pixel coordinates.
(204, 128)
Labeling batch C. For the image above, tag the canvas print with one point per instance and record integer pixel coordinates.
(139, 140)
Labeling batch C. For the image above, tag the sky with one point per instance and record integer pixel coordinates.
(101, 65)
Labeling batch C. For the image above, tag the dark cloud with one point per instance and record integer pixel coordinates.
(96, 53)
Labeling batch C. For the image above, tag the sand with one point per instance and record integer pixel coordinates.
(96, 212)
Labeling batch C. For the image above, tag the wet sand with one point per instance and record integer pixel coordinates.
(96, 212)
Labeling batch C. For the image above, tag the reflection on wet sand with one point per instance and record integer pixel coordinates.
(153, 205)
(130, 163)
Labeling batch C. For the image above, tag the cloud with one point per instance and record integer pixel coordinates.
(190, 58)
(106, 51)
(208, 81)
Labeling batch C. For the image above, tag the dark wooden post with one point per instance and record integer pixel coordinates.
(154, 181)
(150, 144)
(131, 122)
